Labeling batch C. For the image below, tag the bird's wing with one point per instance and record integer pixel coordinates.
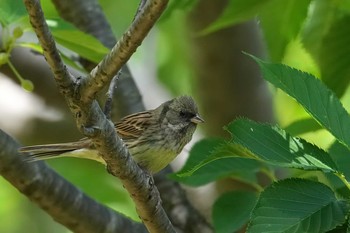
(132, 126)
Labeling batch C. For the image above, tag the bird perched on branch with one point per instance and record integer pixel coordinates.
(154, 138)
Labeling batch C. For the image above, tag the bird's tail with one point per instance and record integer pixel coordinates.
(48, 151)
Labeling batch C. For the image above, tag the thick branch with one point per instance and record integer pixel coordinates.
(93, 123)
(63, 201)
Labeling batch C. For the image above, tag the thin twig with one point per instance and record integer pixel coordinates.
(62, 76)
(122, 51)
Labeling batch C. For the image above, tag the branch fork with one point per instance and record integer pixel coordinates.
(80, 95)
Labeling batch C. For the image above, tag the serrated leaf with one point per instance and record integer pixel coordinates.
(83, 44)
(210, 160)
(232, 210)
(236, 11)
(204, 153)
(240, 169)
(275, 146)
(281, 22)
(200, 151)
(319, 101)
(297, 205)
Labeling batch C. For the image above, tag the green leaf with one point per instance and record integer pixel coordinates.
(303, 126)
(11, 11)
(240, 169)
(317, 25)
(72, 63)
(83, 44)
(33, 46)
(313, 95)
(67, 60)
(237, 11)
(200, 151)
(326, 37)
(275, 146)
(341, 156)
(281, 22)
(210, 160)
(334, 59)
(297, 205)
(232, 210)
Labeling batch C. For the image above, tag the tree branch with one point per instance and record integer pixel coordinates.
(123, 50)
(63, 78)
(60, 199)
(88, 16)
(90, 118)
(182, 214)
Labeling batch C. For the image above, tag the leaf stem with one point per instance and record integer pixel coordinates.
(343, 179)
(18, 75)
(26, 84)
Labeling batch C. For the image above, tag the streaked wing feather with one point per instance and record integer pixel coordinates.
(132, 126)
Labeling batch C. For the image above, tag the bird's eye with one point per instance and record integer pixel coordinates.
(182, 114)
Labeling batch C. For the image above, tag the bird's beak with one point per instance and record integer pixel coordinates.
(197, 119)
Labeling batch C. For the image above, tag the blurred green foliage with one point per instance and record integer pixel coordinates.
(310, 35)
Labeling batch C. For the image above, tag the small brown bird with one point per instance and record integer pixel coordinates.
(154, 138)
